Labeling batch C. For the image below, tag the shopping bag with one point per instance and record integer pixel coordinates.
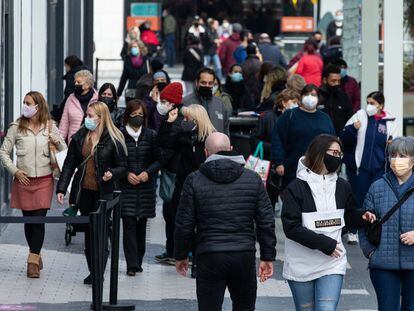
(256, 163)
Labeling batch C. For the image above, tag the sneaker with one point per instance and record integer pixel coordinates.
(131, 272)
(352, 239)
(163, 257)
(88, 280)
(170, 261)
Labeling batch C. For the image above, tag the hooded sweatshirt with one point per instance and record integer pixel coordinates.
(317, 229)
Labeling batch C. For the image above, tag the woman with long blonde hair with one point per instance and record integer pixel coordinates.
(98, 153)
(195, 128)
(32, 135)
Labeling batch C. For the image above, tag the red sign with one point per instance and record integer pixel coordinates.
(297, 24)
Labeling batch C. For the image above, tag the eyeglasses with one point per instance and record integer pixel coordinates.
(336, 153)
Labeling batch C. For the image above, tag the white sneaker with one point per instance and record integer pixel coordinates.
(352, 239)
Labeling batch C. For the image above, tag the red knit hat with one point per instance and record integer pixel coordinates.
(173, 92)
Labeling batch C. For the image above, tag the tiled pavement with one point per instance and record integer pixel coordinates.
(159, 287)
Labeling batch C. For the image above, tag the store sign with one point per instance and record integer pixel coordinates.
(297, 24)
(141, 12)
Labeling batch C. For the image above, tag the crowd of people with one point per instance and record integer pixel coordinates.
(310, 123)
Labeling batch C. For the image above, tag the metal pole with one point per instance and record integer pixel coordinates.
(94, 233)
(96, 72)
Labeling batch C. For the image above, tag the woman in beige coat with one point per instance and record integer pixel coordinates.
(32, 188)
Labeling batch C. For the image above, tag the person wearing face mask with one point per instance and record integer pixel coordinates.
(193, 61)
(107, 95)
(97, 152)
(32, 188)
(349, 85)
(317, 205)
(136, 65)
(391, 263)
(138, 188)
(251, 69)
(219, 92)
(334, 101)
(236, 88)
(217, 111)
(275, 82)
(366, 137)
(294, 130)
(76, 104)
(335, 27)
(286, 100)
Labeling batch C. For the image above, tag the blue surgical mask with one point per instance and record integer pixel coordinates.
(344, 72)
(90, 124)
(236, 77)
(134, 51)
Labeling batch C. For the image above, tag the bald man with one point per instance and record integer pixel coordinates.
(224, 203)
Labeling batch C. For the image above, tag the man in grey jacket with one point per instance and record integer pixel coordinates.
(203, 95)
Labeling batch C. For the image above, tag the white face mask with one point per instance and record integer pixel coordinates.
(309, 102)
(163, 108)
(371, 110)
(215, 89)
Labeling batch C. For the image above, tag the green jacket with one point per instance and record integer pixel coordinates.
(169, 25)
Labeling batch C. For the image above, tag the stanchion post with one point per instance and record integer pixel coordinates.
(113, 293)
(94, 234)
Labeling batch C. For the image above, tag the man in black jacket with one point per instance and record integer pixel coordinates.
(227, 205)
(335, 102)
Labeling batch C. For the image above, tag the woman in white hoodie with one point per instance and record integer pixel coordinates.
(316, 206)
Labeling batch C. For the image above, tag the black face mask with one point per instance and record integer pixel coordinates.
(109, 101)
(188, 126)
(205, 92)
(78, 89)
(136, 121)
(161, 85)
(334, 88)
(332, 163)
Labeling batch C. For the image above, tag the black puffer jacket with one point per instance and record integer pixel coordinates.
(225, 201)
(143, 155)
(106, 156)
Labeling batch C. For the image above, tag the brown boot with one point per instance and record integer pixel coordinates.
(40, 262)
(33, 266)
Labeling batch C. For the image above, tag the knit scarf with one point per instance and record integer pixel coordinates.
(85, 99)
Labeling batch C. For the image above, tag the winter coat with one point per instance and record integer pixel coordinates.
(240, 96)
(310, 68)
(229, 206)
(193, 61)
(216, 110)
(169, 24)
(263, 132)
(227, 49)
(292, 134)
(272, 54)
(131, 74)
(315, 209)
(106, 157)
(337, 105)
(72, 116)
(371, 139)
(117, 116)
(143, 156)
(32, 150)
(332, 54)
(391, 254)
(251, 68)
(351, 87)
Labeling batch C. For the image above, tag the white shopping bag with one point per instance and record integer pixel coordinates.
(256, 163)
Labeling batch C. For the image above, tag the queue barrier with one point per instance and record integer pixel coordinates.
(98, 226)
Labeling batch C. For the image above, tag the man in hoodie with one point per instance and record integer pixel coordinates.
(228, 48)
(203, 95)
(229, 206)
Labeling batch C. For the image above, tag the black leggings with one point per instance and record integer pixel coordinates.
(35, 233)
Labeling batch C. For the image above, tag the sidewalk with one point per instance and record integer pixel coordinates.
(159, 287)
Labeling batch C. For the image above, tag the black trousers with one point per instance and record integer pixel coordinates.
(234, 270)
(88, 203)
(134, 238)
(35, 233)
(168, 212)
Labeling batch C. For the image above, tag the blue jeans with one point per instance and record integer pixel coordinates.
(170, 49)
(216, 64)
(392, 285)
(318, 295)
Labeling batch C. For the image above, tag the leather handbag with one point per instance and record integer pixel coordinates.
(52, 153)
(374, 230)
